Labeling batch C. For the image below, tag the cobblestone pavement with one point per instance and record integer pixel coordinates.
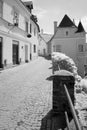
(25, 95)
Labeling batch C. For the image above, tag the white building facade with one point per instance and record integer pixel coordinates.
(42, 48)
(43, 43)
(70, 40)
(16, 39)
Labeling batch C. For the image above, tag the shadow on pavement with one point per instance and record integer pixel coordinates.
(55, 122)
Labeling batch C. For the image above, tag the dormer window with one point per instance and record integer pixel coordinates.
(29, 5)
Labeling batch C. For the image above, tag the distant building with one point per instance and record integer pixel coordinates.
(70, 39)
(18, 33)
(43, 43)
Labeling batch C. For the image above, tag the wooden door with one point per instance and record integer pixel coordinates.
(26, 53)
(15, 53)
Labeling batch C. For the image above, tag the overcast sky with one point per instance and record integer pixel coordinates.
(48, 11)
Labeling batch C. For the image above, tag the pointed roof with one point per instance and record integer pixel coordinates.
(66, 22)
(80, 28)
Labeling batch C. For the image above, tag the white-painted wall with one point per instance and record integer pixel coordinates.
(42, 46)
(8, 11)
(34, 40)
(69, 45)
(7, 49)
(10, 33)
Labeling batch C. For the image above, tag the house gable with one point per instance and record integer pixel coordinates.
(66, 22)
(65, 32)
(68, 29)
(70, 39)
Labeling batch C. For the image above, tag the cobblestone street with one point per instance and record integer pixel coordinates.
(25, 95)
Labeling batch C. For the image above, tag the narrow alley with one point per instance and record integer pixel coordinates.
(25, 95)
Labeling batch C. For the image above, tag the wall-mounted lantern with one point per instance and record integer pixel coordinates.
(15, 21)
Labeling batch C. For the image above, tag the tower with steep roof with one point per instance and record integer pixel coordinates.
(70, 39)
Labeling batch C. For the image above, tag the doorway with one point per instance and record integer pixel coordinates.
(15, 52)
(26, 53)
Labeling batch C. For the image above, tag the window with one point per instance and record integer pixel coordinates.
(54, 48)
(1, 50)
(66, 33)
(34, 48)
(86, 60)
(85, 69)
(86, 47)
(30, 28)
(26, 26)
(58, 48)
(81, 48)
(1, 8)
(16, 18)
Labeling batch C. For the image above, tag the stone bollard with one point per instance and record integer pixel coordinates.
(60, 102)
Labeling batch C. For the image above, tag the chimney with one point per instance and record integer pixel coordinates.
(55, 26)
(41, 31)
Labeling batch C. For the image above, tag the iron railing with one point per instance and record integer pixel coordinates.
(77, 123)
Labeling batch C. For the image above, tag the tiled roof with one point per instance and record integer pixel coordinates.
(80, 28)
(66, 22)
(46, 37)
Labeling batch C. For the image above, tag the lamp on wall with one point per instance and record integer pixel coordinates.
(15, 23)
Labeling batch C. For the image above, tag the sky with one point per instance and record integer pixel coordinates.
(48, 11)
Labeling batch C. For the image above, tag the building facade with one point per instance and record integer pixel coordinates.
(70, 39)
(43, 43)
(16, 44)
